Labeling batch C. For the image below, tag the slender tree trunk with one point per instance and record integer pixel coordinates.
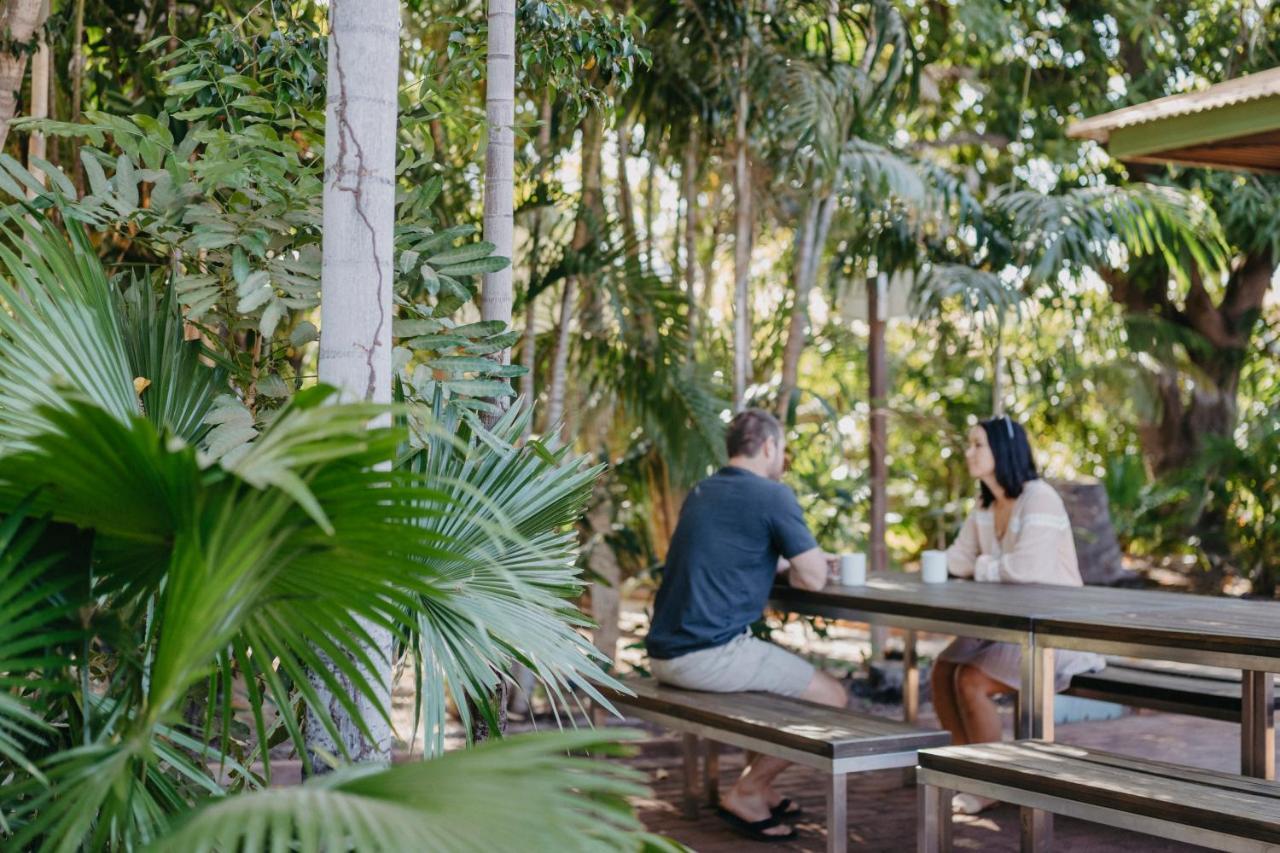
(810, 247)
(560, 358)
(19, 21)
(75, 66)
(528, 352)
(710, 256)
(626, 206)
(878, 372)
(37, 145)
(998, 370)
(650, 207)
(583, 235)
(742, 243)
(499, 174)
(689, 173)
(356, 274)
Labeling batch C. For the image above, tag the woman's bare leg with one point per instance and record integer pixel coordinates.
(975, 691)
(942, 681)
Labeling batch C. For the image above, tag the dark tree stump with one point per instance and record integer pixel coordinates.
(1097, 550)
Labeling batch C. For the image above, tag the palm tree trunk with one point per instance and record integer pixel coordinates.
(37, 145)
(19, 21)
(356, 273)
(690, 180)
(810, 242)
(742, 244)
(583, 235)
(499, 173)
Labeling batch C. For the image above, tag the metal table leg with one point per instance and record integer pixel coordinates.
(910, 678)
(1257, 724)
(837, 814)
(1035, 720)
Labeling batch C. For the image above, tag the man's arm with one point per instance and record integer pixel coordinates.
(812, 569)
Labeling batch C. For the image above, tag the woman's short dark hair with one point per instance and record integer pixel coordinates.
(1012, 452)
(749, 430)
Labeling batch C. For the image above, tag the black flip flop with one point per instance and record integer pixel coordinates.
(785, 809)
(755, 829)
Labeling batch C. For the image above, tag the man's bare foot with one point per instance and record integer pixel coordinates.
(752, 807)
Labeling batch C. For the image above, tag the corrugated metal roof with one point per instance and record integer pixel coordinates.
(1229, 93)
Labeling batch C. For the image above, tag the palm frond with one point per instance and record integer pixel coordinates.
(505, 593)
(549, 800)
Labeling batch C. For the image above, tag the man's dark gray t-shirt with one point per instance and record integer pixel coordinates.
(723, 559)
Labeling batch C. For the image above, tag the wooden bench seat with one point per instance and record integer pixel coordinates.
(831, 740)
(1177, 688)
(1217, 810)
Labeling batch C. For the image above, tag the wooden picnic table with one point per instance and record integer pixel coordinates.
(1152, 624)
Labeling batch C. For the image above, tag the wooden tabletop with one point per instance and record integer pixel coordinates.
(1149, 617)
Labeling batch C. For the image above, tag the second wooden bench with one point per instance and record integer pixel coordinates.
(834, 741)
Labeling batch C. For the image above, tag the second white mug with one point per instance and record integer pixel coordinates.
(933, 566)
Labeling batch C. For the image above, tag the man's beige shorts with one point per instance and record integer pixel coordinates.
(743, 663)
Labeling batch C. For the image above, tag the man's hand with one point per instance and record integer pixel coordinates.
(813, 568)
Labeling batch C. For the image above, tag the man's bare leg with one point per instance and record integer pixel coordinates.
(752, 797)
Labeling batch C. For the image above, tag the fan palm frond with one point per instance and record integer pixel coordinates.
(550, 801)
(506, 589)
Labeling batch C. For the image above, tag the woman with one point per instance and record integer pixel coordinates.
(1019, 533)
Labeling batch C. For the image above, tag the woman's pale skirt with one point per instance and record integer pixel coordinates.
(1003, 661)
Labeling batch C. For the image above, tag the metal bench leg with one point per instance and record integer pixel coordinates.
(837, 814)
(1257, 725)
(933, 826)
(711, 771)
(691, 776)
(910, 679)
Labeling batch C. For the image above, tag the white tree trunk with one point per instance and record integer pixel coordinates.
(499, 168)
(19, 20)
(742, 245)
(356, 276)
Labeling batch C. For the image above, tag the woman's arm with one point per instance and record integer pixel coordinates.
(1045, 530)
(964, 553)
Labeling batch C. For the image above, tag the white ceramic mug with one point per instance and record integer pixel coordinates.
(933, 566)
(853, 569)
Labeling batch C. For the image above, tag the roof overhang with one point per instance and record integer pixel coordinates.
(1233, 125)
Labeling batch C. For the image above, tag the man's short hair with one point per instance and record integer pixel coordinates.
(749, 430)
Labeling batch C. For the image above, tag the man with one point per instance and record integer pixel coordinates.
(737, 530)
